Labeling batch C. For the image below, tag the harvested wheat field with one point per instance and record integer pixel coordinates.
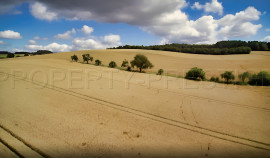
(52, 107)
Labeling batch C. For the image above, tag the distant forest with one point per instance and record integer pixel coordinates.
(220, 48)
(39, 52)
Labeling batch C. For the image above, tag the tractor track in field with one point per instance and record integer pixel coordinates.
(227, 103)
(18, 138)
(183, 125)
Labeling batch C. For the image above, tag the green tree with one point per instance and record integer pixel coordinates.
(124, 63)
(128, 68)
(160, 72)
(97, 62)
(243, 76)
(10, 55)
(112, 64)
(141, 62)
(213, 79)
(74, 57)
(91, 58)
(87, 57)
(228, 75)
(195, 74)
(261, 79)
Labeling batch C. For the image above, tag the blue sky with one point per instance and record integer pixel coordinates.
(28, 25)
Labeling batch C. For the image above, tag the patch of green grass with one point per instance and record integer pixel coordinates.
(19, 55)
(4, 56)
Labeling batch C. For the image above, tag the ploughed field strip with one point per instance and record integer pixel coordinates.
(183, 125)
(17, 146)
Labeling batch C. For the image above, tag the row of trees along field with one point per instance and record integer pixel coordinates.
(39, 52)
(220, 48)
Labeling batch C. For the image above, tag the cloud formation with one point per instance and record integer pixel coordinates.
(32, 41)
(66, 35)
(87, 30)
(239, 25)
(54, 47)
(39, 38)
(213, 7)
(10, 34)
(79, 44)
(39, 11)
(102, 43)
(266, 39)
(170, 22)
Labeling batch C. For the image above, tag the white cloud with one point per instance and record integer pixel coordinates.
(239, 25)
(87, 30)
(33, 47)
(80, 44)
(32, 41)
(177, 28)
(10, 34)
(40, 11)
(84, 44)
(54, 47)
(164, 41)
(112, 40)
(197, 5)
(65, 35)
(214, 7)
(17, 50)
(39, 38)
(103, 43)
(266, 39)
(268, 29)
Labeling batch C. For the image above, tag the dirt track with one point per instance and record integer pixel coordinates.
(84, 110)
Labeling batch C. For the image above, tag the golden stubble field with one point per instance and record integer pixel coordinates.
(55, 107)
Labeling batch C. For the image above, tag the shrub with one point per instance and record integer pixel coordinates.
(243, 76)
(97, 62)
(160, 72)
(214, 79)
(141, 62)
(74, 57)
(87, 57)
(124, 63)
(260, 79)
(195, 74)
(129, 68)
(112, 64)
(26, 54)
(228, 75)
(10, 55)
(91, 58)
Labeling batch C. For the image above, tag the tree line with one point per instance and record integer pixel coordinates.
(220, 48)
(39, 52)
(141, 62)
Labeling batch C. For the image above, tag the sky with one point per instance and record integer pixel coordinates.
(60, 26)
